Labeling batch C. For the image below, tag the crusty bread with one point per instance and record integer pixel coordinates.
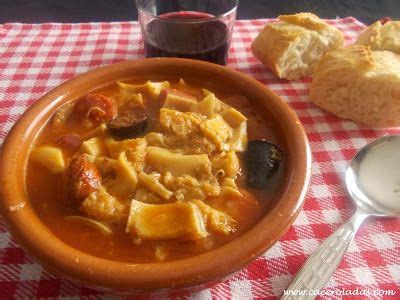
(382, 36)
(359, 84)
(291, 47)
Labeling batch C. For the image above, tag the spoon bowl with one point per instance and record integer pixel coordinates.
(373, 182)
(358, 191)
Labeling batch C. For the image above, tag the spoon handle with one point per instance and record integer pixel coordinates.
(321, 265)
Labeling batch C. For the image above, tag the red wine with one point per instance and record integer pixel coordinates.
(180, 34)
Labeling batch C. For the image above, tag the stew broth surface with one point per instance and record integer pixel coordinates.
(48, 199)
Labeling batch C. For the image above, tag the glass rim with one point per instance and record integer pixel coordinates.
(220, 16)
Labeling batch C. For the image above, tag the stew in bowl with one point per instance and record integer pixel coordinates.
(153, 175)
(153, 171)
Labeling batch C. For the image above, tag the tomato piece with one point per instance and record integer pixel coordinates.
(385, 20)
(245, 209)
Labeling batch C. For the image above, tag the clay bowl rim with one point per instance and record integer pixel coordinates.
(211, 266)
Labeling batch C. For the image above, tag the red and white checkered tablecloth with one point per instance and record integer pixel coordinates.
(36, 58)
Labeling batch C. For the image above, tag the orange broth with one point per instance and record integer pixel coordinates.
(44, 193)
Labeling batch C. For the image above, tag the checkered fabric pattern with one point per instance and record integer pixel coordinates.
(37, 58)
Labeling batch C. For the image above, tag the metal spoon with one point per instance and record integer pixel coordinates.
(321, 265)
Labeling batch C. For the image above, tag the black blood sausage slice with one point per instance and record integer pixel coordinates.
(129, 125)
(262, 160)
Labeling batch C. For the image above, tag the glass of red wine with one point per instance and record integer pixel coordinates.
(197, 29)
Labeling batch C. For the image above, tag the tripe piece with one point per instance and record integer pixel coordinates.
(238, 142)
(126, 178)
(216, 220)
(179, 123)
(233, 117)
(134, 149)
(165, 221)
(163, 160)
(150, 181)
(227, 162)
(101, 206)
(154, 88)
(179, 101)
(187, 187)
(208, 106)
(217, 130)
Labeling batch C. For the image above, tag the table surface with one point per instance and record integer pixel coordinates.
(36, 58)
(39, 11)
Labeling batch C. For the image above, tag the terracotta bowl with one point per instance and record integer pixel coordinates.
(183, 275)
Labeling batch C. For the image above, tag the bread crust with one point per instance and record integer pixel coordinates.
(382, 36)
(285, 46)
(306, 20)
(359, 84)
(272, 42)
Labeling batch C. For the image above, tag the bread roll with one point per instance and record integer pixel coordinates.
(359, 84)
(291, 47)
(380, 36)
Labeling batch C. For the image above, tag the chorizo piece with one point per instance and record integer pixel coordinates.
(83, 177)
(129, 125)
(69, 141)
(96, 107)
(262, 160)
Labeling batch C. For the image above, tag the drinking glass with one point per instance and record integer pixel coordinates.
(197, 29)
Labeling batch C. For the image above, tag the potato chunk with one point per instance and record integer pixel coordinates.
(165, 221)
(94, 146)
(50, 158)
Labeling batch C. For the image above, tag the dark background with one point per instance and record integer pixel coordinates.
(39, 11)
